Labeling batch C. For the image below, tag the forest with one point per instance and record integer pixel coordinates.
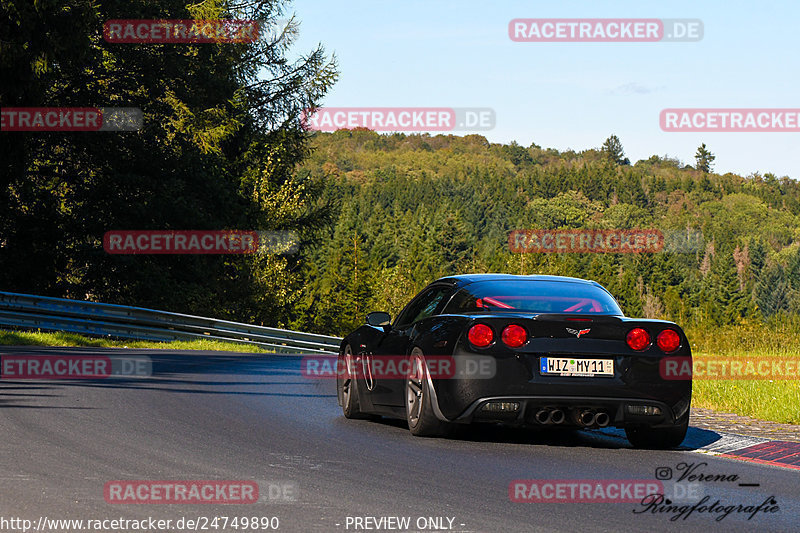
(223, 146)
(407, 209)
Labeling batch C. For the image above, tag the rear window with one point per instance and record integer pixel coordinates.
(533, 296)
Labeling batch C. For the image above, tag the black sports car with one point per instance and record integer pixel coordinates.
(526, 350)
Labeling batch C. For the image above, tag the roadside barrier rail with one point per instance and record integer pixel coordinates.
(58, 314)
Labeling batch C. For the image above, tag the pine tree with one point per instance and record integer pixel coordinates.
(612, 148)
(705, 159)
(772, 291)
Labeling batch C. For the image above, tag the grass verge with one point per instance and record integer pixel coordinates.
(776, 400)
(60, 338)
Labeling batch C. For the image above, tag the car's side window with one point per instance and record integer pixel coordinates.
(462, 301)
(423, 307)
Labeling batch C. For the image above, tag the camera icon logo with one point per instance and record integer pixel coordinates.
(663, 473)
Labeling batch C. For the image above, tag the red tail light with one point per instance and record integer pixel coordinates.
(638, 339)
(514, 336)
(480, 335)
(668, 340)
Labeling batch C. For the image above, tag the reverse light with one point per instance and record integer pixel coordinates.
(644, 410)
(638, 339)
(500, 407)
(480, 335)
(668, 340)
(514, 336)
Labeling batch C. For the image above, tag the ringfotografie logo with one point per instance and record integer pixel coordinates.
(688, 483)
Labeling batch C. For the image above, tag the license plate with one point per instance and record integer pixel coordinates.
(572, 366)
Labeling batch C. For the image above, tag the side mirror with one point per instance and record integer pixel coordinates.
(379, 319)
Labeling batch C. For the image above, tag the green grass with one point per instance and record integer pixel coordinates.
(778, 400)
(41, 338)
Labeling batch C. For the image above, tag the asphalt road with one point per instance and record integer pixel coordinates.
(219, 416)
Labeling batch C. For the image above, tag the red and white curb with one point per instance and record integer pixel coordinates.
(783, 454)
(779, 453)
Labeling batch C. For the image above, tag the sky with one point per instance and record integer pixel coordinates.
(571, 95)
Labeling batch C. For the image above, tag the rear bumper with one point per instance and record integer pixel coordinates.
(615, 407)
(636, 382)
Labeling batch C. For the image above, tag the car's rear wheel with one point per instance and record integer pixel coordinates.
(422, 422)
(658, 438)
(351, 407)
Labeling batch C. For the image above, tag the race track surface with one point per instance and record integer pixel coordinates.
(222, 416)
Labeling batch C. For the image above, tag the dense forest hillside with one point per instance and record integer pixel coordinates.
(406, 209)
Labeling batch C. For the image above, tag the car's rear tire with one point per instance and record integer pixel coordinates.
(351, 406)
(422, 421)
(658, 438)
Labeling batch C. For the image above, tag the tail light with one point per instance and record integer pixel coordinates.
(668, 340)
(638, 339)
(514, 336)
(480, 335)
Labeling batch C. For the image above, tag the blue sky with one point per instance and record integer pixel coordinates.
(571, 95)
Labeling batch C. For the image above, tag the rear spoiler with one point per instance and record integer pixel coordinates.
(574, 317)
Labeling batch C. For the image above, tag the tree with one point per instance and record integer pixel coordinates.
(725, 302)
(218, 150)
(705, 159)
(612, 148)
(772, 291)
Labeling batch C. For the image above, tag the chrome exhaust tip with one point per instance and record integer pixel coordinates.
(543, 416)
(587, 418)
(602, 419)
(557, 416)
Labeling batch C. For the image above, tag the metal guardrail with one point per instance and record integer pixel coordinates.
(75, 316)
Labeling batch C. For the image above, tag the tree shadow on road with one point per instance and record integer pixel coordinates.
(184, 372)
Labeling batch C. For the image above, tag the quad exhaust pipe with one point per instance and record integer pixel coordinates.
(580, 417)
